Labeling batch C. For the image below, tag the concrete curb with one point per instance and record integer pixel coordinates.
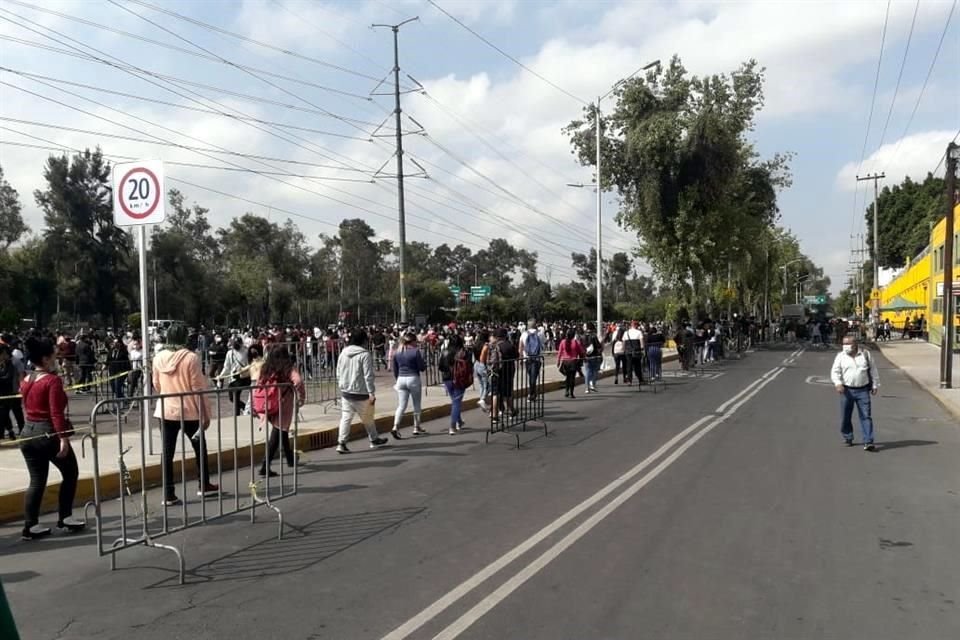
(11, 503)
(947, 406)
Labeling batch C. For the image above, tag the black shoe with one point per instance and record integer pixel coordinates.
(396, 434)
(342, 448)
(35, 532)
(71, 525)
(271, 473)
(615, 381)
(848, 443)
(376, 443)
(869, 447)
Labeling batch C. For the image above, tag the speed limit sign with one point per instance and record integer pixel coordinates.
(138, 194)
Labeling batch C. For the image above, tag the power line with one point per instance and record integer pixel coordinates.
(505, 54)
(933, 63)
(211, 27)
(165, 45)
(903, 64)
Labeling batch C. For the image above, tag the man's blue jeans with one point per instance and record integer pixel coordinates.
(861, 399)
(534, 364)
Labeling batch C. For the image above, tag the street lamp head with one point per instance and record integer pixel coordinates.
(655, 63)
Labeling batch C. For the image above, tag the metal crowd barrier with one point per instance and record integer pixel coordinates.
(517, 388)
(232, 468)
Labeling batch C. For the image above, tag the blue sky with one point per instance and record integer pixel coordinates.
(821, 59)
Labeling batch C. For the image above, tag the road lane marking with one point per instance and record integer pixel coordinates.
(484, 606)
(451, 597)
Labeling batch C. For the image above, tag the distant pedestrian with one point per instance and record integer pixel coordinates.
(502, 366)
(531, 350)
(594, 357)
(277, 398)
(456, 367)
(355, 378)
(407, 364)
(854, 375)
(569, 357)
(9, 388)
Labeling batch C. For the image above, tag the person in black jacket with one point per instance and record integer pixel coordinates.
(9, 388)
(86, 361)
(118, 367)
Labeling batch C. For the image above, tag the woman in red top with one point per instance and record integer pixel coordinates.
(46, 440)
(569, 357)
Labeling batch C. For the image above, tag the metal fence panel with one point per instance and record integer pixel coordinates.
(517, 390)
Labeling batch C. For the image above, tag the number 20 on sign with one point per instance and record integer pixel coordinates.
(138, 193)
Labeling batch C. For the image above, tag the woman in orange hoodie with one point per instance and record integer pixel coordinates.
(176, 370)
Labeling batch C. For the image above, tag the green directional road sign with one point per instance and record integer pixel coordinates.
(455, 291)
(821, 299)
(815, 300)
(479, 293)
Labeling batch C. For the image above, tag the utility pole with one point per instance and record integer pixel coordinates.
(875, 306)
(400, 200)
(946, 346)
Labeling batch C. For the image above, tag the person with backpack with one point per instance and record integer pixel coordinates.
(456, 368)
(407, 364)
(502, 366)
(355, 378)
(176, 370)
(569, 356)
(531, 350)
(277, 398)
(46, 440)
(655, 342)
(594, 357)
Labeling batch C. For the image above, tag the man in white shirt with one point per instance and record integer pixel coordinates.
(854, 374)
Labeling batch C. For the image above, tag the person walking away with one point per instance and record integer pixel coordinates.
(569, 355)
(481, 352)
(46, 440)
(531, 350)
(277, 398)
(855, 377)
(177, 370)
(655, 342)
(236, 375)
(502, 367)
(135, 377)
(457, 370)
(118, 368)
(593, 351)
(633, 347)
(86, 362)
(9, 388)
(620, 364)
(355, 378)
(407, 365)
(218, 355)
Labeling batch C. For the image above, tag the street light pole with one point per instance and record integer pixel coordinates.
(600, 333)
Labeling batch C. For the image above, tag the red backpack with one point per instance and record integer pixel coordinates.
(267, 397)
(462, 372)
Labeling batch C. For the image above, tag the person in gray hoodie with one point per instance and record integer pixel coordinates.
(355, 379)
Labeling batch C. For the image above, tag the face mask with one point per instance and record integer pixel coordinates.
(848, 349)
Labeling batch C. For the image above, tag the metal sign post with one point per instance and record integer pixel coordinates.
(138, 200)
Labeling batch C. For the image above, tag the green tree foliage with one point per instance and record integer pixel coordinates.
(907, 211)
(12, 226)
(692, 186)
(90, 253)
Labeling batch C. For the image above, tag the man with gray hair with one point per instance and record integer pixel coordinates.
(531, 349)
(854, 375)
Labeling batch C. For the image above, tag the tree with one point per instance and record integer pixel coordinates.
(12, 226)
(906, 212)
(691, 185)
(82, 236)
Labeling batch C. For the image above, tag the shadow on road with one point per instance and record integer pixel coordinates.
(901, 444)
(301, 548)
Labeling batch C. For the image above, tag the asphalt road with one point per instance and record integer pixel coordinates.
(722, 508)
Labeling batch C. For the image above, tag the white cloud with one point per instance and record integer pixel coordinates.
(912, 156)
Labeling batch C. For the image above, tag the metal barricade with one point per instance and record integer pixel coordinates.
(226, 452)
(517, 389)
(431, 357)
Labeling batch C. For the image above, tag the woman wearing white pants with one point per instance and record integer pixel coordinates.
(407, 365)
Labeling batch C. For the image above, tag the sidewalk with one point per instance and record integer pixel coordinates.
(318, 428)
(921, 361)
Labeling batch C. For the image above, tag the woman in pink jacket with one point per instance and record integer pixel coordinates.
(176, 370)
(278, 369)
(569, 357)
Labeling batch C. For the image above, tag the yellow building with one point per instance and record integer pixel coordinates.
(919, 288)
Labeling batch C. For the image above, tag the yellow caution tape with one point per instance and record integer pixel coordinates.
(78, 386)
(47, 436)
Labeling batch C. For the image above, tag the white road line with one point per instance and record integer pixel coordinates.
(443, 603)
(511, 585)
